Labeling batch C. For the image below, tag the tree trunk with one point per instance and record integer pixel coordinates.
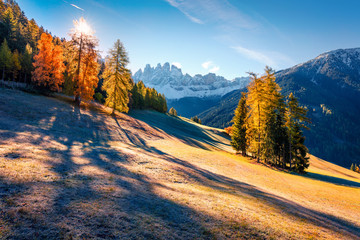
(258, 154)
(290, 152)
(77, 99)
(77, 96)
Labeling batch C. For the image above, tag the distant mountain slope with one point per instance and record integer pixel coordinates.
(221, 114)
(170, 81)
(192, 106)
(329, 86)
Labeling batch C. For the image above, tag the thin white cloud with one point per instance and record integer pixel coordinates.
(193, 19)
(73, 5)
(207, 64)
(272, 59)
(210, 66)
(181, 6)
(255, 55)
(77, 7)
(214, 69)
(220, 12)
(177, 64)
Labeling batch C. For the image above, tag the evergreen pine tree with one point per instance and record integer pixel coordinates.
(173, 112)
(5, 58)
(238, 138)
(15, 64)
(301, 161)
(117, 78)
(295, 118)
(274, 111)
(26, 62)
(352, 168)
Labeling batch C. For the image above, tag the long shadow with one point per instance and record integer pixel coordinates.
(135, 211)
(188, 133)
(217, 181)
(330, 179)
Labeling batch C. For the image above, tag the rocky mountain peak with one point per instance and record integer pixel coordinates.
(170, 80)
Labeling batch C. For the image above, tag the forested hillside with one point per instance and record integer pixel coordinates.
(329, 87)
(18, 38)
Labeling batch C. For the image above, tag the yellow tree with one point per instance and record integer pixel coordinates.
(274, 111)
(49, 64)
(84, 61)
(5, 58)
(117, 78)
(256, 117)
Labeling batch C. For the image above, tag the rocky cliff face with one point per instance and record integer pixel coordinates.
(170, 81)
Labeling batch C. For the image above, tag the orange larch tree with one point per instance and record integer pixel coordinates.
(49, 64)
(88, 76)
(84, 61)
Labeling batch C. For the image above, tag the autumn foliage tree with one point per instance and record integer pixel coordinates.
(173, 112)
(256, 118)
(268, 127)
(84, 66)
(117, 78)
(49, 64)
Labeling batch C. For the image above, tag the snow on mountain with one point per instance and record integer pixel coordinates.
(170, 81)
(339, 67)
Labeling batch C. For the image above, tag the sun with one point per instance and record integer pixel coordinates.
(82, 27)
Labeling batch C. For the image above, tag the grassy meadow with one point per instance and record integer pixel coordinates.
(80, 173)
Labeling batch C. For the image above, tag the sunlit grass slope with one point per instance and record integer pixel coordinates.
(81, 173)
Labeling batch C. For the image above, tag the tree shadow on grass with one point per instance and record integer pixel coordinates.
(331, 179)
(236, 188)
(188, 133)
(106, 201)
(99, 196)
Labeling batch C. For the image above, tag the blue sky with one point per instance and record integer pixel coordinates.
(227, 37)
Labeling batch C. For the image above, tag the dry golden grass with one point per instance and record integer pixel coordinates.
(74, 173)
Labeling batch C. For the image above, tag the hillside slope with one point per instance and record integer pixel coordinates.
(77, 173)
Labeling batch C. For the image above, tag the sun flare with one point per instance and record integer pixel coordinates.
(82, 27)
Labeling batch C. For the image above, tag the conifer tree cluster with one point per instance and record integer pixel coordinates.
(269, 126)
(196, 119)
(354, 167)
(148, 98)
(173, 112)
(18, 38)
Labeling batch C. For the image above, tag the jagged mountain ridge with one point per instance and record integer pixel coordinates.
(329, 86)
(175, 85)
